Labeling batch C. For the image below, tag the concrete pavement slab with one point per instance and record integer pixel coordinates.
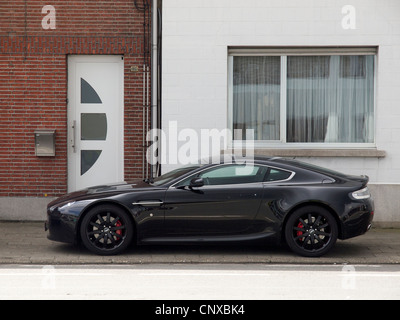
(27, 243)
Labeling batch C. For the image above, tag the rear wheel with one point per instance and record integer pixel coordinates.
(106, 230)
(311, 231)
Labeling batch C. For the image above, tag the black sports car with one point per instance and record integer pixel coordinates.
(272, 198)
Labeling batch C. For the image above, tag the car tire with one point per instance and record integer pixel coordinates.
(311, 231)
(106, 230)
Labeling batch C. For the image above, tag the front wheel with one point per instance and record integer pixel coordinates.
(311, 231)
(106, 230)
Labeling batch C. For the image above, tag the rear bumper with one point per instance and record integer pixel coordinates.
(358, 219)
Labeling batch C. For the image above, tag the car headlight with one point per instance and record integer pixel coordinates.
(361, 194)
(66, 205)
(61, 206)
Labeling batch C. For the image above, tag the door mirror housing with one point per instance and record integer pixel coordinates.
(196, 182)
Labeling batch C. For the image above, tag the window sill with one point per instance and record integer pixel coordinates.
(359, 153)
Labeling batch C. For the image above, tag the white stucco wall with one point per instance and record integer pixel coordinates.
(196, 35)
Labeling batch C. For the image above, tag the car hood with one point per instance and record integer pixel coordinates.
(102, 191)
(117, 187)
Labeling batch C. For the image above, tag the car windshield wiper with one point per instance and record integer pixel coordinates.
(148, 180)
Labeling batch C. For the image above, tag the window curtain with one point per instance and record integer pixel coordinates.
(330, 99)
(256, 96)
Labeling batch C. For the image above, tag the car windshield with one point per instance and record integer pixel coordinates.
(172, 175)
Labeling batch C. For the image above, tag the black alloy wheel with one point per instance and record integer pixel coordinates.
(106, 230)
(311, 231)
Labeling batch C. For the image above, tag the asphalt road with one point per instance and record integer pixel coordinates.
(198, 282)
(33, 267)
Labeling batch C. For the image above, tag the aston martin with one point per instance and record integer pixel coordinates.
(265, 199)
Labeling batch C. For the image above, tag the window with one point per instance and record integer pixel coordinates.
(278, 175)
(229, 174)
(256, 96)
(303, 96)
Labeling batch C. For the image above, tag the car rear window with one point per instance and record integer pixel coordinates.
(314, 168)
(277, 175)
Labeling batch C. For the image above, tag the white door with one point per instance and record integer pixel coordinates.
(95, 120)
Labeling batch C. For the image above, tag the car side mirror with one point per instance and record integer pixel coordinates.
(196, 182)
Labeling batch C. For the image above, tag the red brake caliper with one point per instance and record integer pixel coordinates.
(299, 233)
(118, 232)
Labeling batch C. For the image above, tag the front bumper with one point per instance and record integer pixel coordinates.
(63, 218)
(61, 227)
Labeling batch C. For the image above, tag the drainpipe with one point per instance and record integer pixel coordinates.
(154, 78)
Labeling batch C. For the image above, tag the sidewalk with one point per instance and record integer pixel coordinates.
(27, 243)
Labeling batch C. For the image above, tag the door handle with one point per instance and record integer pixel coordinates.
(73, 136)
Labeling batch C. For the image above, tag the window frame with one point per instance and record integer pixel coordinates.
(283, 53)
(177, 184)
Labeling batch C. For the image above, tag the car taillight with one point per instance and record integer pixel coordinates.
(361, 194)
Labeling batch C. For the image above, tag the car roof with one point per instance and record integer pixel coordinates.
(288, 163)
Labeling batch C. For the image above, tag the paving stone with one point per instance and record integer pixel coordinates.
(26, 243)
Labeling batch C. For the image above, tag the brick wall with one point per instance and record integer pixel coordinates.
(33, 84)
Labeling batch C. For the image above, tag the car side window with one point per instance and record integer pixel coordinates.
(230, 174)
(277, 175)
